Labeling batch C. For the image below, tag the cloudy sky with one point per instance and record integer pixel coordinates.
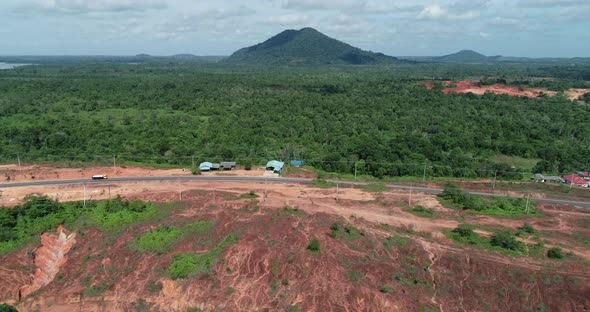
(559, 28)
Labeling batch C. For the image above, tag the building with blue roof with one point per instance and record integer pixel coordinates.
(205, 166)
(275, 166)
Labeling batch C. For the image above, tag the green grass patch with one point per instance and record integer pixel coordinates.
(22, 224)
(161, 239)
(314, 245)
(375, 187)
(503, 241)
(293, 210)
(386, 289)
(95, 290)
(523, 164)
(250, 194)
(423, 212)
(555, 253)
(397, 240)
(349, 232)
(321, 183)
(185, 265)
(493, 206)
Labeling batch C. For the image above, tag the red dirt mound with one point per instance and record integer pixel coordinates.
(49, 258)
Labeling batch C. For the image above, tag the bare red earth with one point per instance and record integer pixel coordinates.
(269, 269)
(49, 258)
(470, 86)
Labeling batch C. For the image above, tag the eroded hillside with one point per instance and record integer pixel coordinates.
(235, 252)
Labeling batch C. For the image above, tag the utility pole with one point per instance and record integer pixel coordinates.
(526, 209)
(84, 184)
(193, 158)
(495, 174)
(410, 199)
(424, 175)
(355, 170)
(336, 191)
(179, 190)
(265, 189)
(19, 166)
(114, 164)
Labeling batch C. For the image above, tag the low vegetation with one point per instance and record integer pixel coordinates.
(399, 241)
(555, 253)
(347, 231)
(455, 197)
(293, 210)
(7, 308)
(20, 224)
(321, 183)
(161, 239)
(95, 290)
(250, 194)
(314, 245)
(421, 211)
(186, 265)
(375, 187)
(502, 240)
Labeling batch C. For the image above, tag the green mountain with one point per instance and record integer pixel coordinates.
(306, 47)
(466, 56)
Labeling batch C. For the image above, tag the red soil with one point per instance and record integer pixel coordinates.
(469, 86)
(49, 258)
(270, 269)
(346, 275)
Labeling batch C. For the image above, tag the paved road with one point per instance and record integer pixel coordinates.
(269, 179)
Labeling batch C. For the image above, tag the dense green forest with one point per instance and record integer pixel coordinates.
(332, 117)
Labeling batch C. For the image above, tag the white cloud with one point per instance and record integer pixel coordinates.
(436, 12)
(84, 6)
(288, 19)
(225, 12)
(323, 4)
(552, 3)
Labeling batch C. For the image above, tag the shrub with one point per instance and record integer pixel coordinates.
(527, 228)
(506, 240)
(464, 230)
(421, 211)
(196, 171)
(250, 194)
(386, 289)
(158, 240)
(7, 308)
(185, 265)
(555, 253)
(248, 165)
(95, 290)
(314, 245)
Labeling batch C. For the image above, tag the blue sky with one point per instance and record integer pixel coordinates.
(559, 28)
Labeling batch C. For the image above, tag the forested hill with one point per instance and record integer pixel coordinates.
(306, 47)
(466, 56)
(331, 117)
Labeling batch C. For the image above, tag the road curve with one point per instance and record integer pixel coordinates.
(271, 180)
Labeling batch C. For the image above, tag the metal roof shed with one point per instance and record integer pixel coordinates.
(228, 165)
(205, 166)
(275, 165)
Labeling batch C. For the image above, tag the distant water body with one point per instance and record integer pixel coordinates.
(10, 65)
